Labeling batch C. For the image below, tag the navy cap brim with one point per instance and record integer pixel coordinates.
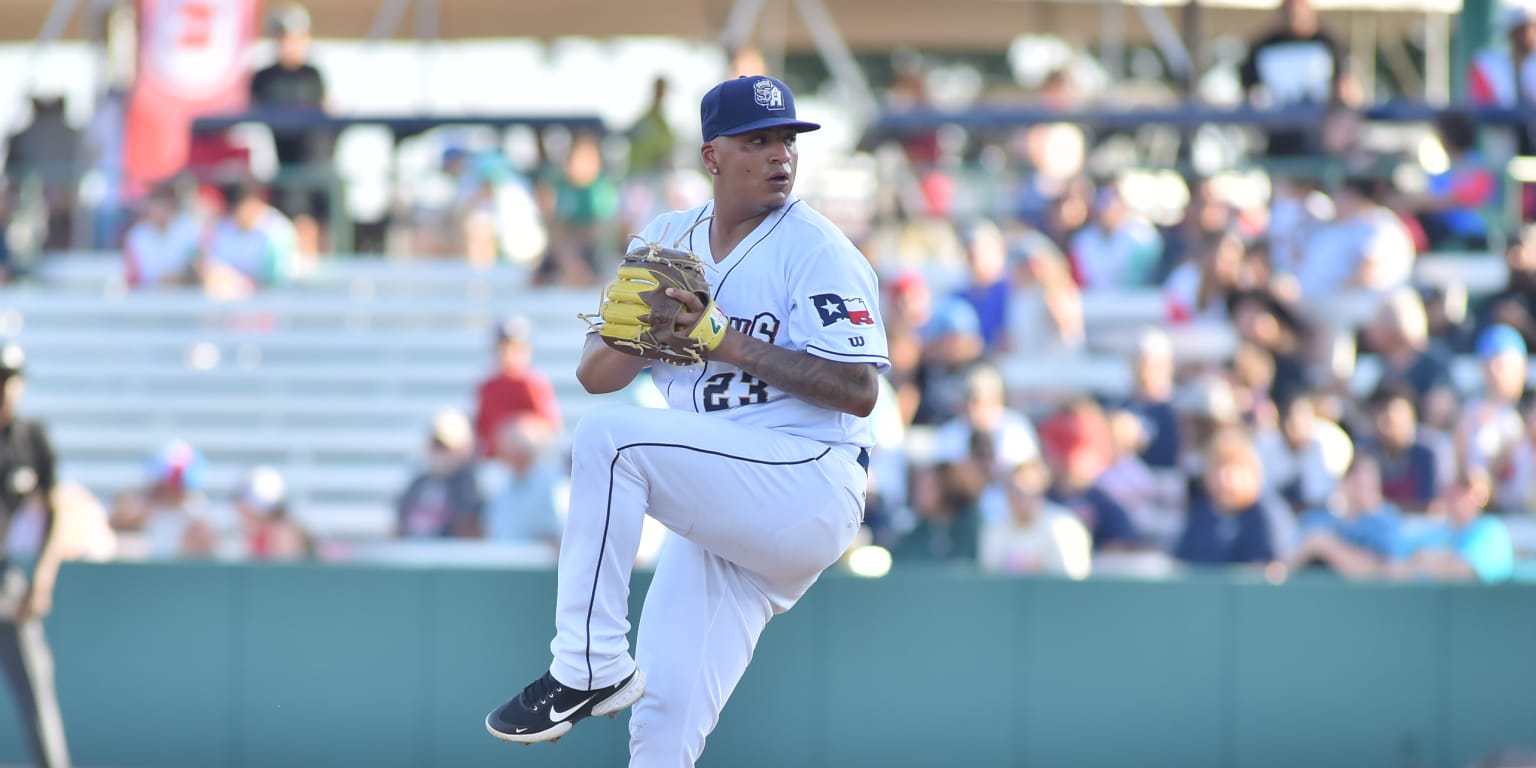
(800, 126)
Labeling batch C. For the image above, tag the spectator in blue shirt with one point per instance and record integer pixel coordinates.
(986, 257)
(1231, 522)
(1077, 446)
(1361, 534)
(1409, 468)
(1465, 545)
(522, 505)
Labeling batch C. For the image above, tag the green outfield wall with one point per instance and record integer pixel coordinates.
(207, 666)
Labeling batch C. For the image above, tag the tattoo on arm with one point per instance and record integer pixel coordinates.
(827, 383)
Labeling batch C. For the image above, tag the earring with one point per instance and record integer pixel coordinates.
(714, 170)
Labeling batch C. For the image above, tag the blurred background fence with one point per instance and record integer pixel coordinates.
(185, 665)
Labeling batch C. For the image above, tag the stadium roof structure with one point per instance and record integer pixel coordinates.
(862, 24)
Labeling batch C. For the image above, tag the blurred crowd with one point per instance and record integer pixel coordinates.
(1295, 405)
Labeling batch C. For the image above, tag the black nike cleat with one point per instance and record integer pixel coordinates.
(546, 709)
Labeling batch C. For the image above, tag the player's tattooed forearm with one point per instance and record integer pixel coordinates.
(845, 387)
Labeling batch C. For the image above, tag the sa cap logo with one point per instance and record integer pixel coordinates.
(767, 95)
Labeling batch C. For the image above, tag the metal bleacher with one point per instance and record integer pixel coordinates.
(334, 379)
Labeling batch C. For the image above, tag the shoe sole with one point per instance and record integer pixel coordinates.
(621, 699)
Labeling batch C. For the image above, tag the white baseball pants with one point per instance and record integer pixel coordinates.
(757, 516)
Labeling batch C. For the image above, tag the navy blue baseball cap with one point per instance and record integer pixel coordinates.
(749, 103)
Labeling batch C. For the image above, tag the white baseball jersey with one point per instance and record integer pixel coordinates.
(796, 282)
(761, 491)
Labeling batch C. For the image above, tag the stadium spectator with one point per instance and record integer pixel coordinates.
(1199, 288)
(1053, 153)
(1045, 306)
(1398, 334)
(1297, 210)
(1152, 370)
(1118, 249)
(443, 499)
(1514, 304)
(1305, 458)
(1232, 521)
(578, 201)
(1446, 310)
(250, 248)
(1491, 426)
(293, 85)
(1295, 63)
(1068, 214)
(268, 530)
(521, 503)
(161, 248)
(47, 151)
(652, 147)
(1076, 443)
(947, 528)
(988, 290)
(168, 516)
(1366, 247)
(1359, 533)
(1207, 216)
(1031, 535)
(1205, 407)
(490, 212)
(1407, 465)
(515, 389)
(1465, 544)
(952, 348)
(1275, 326)
(1454, 210)
(1130, 482)
(1438, 418)
(1253, 384)
(1506, 76)
(908, 309)
(978, 448)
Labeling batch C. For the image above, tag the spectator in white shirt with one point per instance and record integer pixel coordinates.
(1365, 248)
(1118, 249)
(1305, 458)
(1198, 288)
(1029, 534)
(252, 247)
(978, 448)
(161, 248)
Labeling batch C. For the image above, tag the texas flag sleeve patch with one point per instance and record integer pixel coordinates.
(832, 308)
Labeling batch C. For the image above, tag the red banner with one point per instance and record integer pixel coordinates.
(192, 61)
